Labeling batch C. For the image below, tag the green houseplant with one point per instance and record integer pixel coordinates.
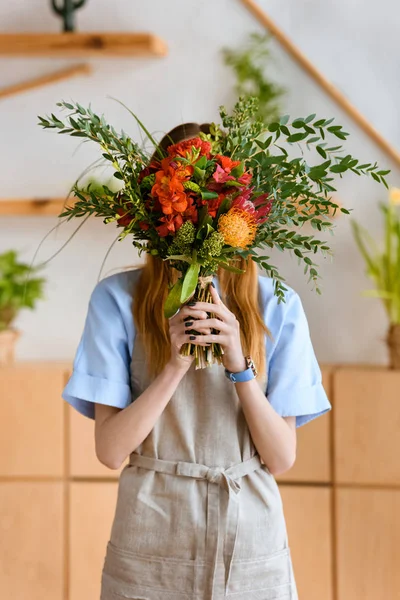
(18, 290)
(249, 65)
(383, 267)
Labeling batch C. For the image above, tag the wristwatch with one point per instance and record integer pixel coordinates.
(246, 375)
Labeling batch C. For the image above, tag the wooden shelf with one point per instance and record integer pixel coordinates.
(33, 206)
(49, 79)
(81, 44)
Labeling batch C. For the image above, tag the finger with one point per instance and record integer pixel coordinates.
(215, 296)
(190, 311)
(210, 324)
(214, 338)
(199, 340)
(217, 309)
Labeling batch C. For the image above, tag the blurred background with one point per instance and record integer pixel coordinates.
(336, 59)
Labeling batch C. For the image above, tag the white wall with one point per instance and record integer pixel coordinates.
(344, 38)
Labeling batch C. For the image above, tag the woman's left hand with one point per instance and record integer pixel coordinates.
(228, 335)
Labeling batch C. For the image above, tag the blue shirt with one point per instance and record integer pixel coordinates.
(101, 369)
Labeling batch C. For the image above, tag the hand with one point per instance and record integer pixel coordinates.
(228, 327)
(178, 324)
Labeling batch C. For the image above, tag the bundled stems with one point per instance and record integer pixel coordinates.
(205, 356)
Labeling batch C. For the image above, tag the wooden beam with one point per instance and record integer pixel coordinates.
(324, 83)
(80, 44)
(19, 88)
(34, 206)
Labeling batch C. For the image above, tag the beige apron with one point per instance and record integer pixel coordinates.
(198, 515)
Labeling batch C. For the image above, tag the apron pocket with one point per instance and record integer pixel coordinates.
(270, 575)
(128, 574)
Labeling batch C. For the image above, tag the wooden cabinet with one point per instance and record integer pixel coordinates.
(368, 543)
(313, 462)
(367, 426)
(92, 507)
(341, 499)
(32, 540)
(32, 420)
(308, 512)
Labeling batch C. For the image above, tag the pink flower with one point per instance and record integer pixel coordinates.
(221, 176)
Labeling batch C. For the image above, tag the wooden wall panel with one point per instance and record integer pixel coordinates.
(313, 462)
(308, 518)
(92, 507)
(32, 541)
(368, 544)
(367, 424)
(31, 420)
(83, 460)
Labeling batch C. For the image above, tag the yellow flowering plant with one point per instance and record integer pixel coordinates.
(209, 200)
(383, 267)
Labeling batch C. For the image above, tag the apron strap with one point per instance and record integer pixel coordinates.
(223, 478)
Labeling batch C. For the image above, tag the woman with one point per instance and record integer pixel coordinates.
(199, 515)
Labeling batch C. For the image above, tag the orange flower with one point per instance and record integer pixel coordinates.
(184, 172)
(238, 227)
(227, 163)
(169, 190)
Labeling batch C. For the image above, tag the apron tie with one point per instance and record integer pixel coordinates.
(223, 478)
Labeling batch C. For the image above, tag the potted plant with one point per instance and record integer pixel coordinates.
(18, 290)
(383, 267)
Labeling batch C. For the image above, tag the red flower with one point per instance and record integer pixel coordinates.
(185, 147)
(125, 218)
(149, 170)
(257, 207)
(170, 224)
(245, 179)
(263, 211)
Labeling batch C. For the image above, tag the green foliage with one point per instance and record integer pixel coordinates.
(16, 290)
(292, 184)
(383, 264)
(296, 191)
(249, 67)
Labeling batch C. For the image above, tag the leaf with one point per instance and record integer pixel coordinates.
(296, 137)
(173, 301)
(339, 168)
(207, 195)
(190, 282)
(310, 118)
(298, 123)
(230, 267)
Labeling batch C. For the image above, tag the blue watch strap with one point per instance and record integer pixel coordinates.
(245, 375)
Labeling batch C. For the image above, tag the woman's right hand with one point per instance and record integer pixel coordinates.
(184, 321)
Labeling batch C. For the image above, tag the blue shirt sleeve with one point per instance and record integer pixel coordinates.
(294, 386)
(101, 368)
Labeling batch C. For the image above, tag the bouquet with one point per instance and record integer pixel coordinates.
(212, 199)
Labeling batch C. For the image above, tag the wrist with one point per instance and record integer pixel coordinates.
(236, 365)
(179, 365)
